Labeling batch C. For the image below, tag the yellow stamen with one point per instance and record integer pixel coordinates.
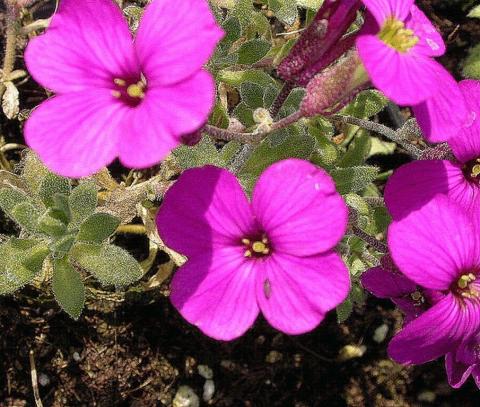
(416, 296)
(248, 253)
(259, 247)
(119, 82)
(136, 90)
(465, 280)
(394, 34)
(476, 170)
(116, 94)
(246, 241)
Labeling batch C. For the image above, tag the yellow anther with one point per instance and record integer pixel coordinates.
(135, 90)
(416, 296)
(119, 82)
(116, 94)
(464, 280)
(246, 241)
(248, 253)
(265, 240)
(472, 277)
(259, 247)
(476, 170)
(394, 34)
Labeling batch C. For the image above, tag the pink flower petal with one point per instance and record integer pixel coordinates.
(295, 293)
(298, 206)
(87, 45)
(435, 245)
(430, 40)
(383, 9)
(442, 116)
(413, 185)
(457, 372)
(216, 292)
(175, 39)
(466, 146)
(77, 134)
(406, 78)
(205, 209)
(155, 126)
(435, 332)
(386, 284)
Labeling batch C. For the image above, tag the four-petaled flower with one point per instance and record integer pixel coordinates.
(438, 248)
(115, 96)
(416, 183)
(274, 254)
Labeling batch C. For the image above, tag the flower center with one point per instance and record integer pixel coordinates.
(395, 35)
(471, 170)
(465, 288)
(256, 247)
(130, 92)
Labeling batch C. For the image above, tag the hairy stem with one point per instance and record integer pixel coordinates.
(10, 45)
(370, 240)
(383, 130)
(281, 97)
(251, 138)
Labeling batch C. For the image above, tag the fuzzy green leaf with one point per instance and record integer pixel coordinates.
(110, 264)
(50, 224)
(10, 197)
(20, 261)
(68, 288)
(252, 51)
(471, 67)
(201, 154)
(33, 171)
(62, 246)
(26, 215)
(53, 184)
(82, 202)
(97, 227)
(251, 94)
(353, 179)
(236, 78)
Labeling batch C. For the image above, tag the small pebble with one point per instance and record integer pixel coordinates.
(205, 372)
(76, 357)
(186, 397)
(427, 396)
(274, 357)
(380, 333)
(208, 390)
(43, 379)
(351, 352)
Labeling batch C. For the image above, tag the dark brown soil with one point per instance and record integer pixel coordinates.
(135, 350)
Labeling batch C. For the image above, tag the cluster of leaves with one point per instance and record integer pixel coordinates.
(61, 236)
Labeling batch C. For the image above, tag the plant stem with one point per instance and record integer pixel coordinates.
(383, 130)
(370, 240)
(251, 138)
(281, 97)
(10, 45)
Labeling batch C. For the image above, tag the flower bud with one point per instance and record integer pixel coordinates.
(320, 44)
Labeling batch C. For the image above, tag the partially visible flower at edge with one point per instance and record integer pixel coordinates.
(273, 255)
(397, 45)
(438, 248)
(414, 184)
(463, 362)
(116, 97)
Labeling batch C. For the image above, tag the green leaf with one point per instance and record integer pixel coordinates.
(471, 67)
(353, 179)
(53, 184)
(474, 12)
(252, 51)
(285, 10)
(219, 116)
(243, 11)
(50, 224)
(244, 113)
(344, 310)
(367, 104)
(26, 215)
(201, 154)
(236, 78)
(20, 261)
(68, 288)
(110, 264)
(358, 151)
(97, 227)
(82, 202)
(10, 197)
(310, 4)
(251, 94)
(33, 171)
(61, 208)
(233, 31)
(62, 246)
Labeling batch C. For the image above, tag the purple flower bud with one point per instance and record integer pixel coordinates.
(319, 45)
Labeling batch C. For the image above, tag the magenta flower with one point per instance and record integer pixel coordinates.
(463, 362)
(386, 281)
(414, 184)
(119, 97)
(274, 254)
(438, 248)
(397, 46)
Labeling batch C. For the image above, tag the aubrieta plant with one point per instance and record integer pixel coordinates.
(273, 197)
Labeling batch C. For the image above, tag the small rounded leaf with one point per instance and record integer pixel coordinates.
(83, 201)
(97, 228)
(68, 288)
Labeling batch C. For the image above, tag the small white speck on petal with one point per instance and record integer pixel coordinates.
(432, 44)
